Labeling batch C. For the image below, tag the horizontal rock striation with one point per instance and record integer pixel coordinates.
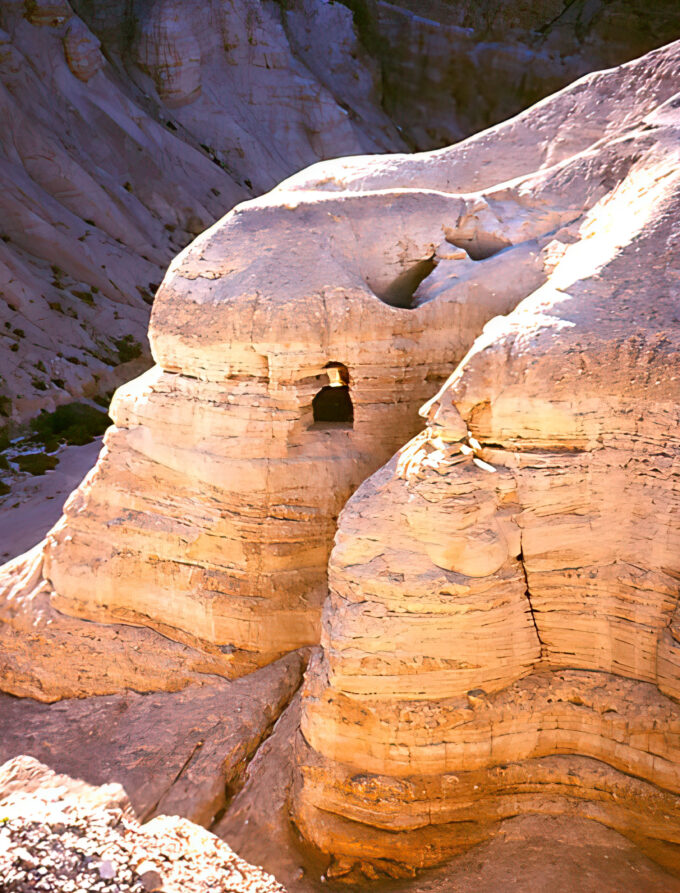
(288, 367)
(131, 127)
(501, 635)
(127, 132)
(210, 514)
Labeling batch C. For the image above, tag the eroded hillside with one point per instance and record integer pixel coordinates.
(131, 127)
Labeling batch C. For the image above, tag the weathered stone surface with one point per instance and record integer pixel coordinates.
(48, 655)
(82, 50)
(454, 67)
(127, 132)
(261, 811)
(531, 854)
(130, 127)
(210, 513)
(181, 753)
(61, 834)
(503, 599)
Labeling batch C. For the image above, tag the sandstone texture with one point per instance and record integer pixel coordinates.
(59, 834)
(287, 370)
(527, 854)
(502, 633)
(130, 128)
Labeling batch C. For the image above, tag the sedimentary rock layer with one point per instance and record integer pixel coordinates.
(505, 591)
(126, 131)
(288, 368)
(131, 126)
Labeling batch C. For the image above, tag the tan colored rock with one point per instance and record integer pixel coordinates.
(180, 753)
(500, 637)
(126, 135)
(261, 812)
(531, 854)
(76, 658)
(130, 130)
(287, 371)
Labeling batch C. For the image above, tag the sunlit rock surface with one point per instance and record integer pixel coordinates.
(502, 631)
(289, 367)
(128, 131)
(129, 127)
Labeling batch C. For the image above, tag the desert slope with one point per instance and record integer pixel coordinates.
(499, 615)
(118, 149)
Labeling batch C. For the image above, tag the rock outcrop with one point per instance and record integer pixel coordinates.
(502, 632)
(132, 126)
(127, 132)
(177, 753)
(287, 370)
(450, 69)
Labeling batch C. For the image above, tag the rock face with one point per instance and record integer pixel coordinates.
(132, 126)
(61, 834)
(454, 67)
(502, 632)
(287, 370)
(178, 753)
(127, 132)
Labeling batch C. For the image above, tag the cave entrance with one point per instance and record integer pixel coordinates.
(401, 291)
(332, 405)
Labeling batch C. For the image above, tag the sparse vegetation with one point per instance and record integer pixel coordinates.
(128, 348)
(72, 423)
(36, 463)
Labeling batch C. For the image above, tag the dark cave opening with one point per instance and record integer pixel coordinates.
(332, 405)
(401, 291)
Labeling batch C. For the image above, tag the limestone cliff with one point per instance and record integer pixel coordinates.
(126, 132)
(287, 371)
(502, 632)
(132, 125)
